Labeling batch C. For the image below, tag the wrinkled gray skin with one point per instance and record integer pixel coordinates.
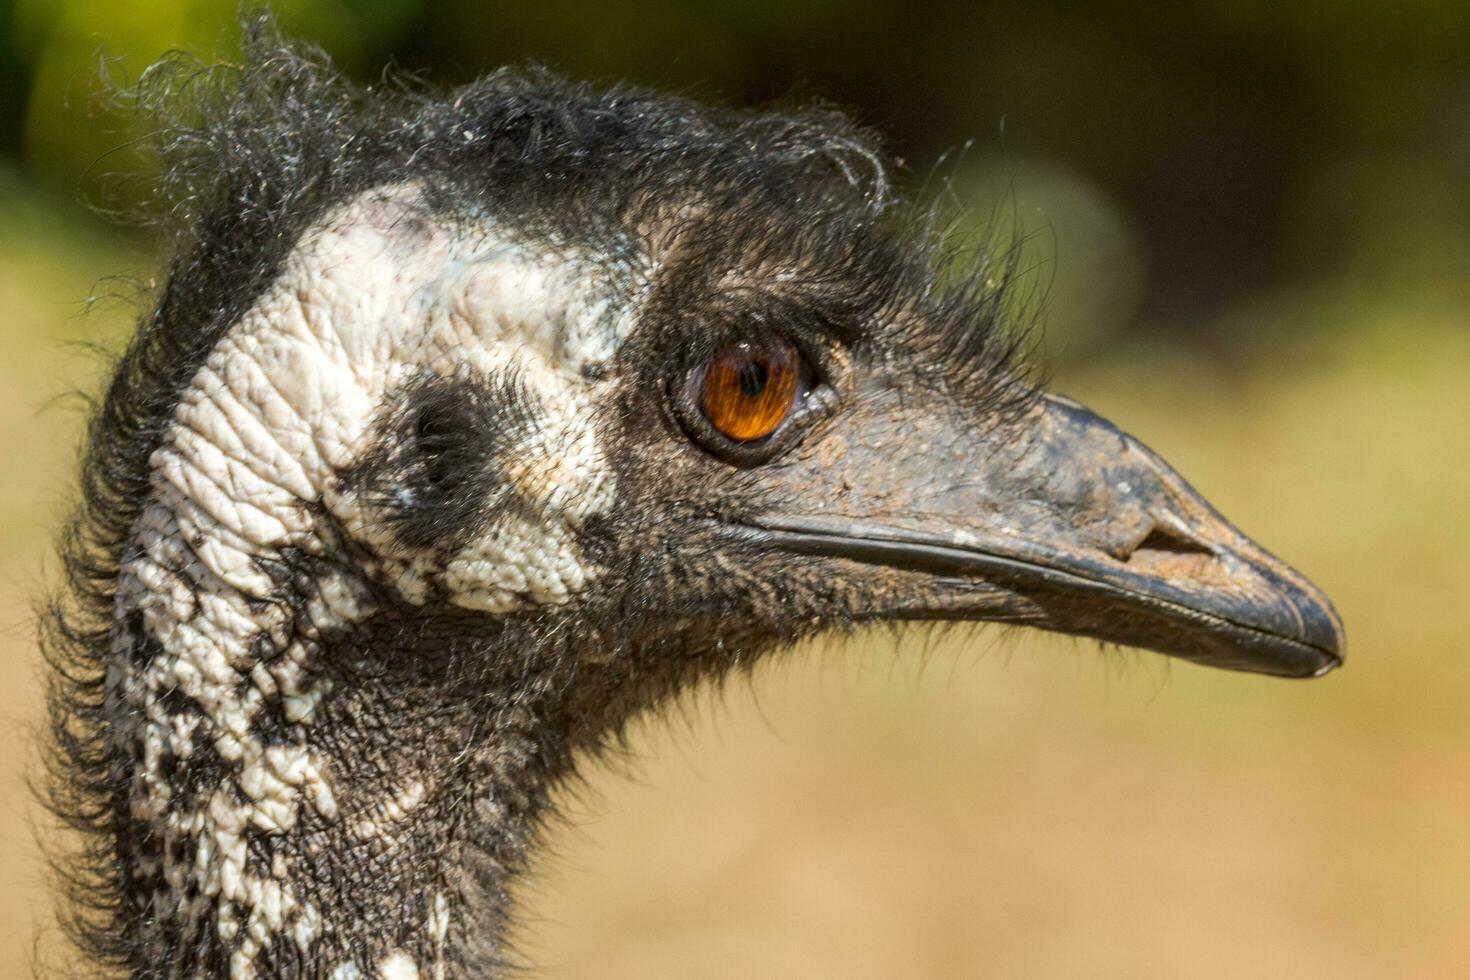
(436, 511)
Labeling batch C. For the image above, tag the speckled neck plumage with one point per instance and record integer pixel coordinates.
(289, 672)
(352, 806)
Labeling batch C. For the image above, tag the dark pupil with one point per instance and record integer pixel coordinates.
(752, 378)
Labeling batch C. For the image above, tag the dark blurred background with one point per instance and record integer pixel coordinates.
(1193, 153)
(1250, 222)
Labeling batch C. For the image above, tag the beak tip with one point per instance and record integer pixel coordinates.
(1333, 656)
(1330, 637)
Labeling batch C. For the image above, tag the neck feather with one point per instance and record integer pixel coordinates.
(321, 780)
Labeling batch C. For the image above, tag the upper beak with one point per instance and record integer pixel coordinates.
(1069, 524)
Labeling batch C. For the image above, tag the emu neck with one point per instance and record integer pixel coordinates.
(321, 782)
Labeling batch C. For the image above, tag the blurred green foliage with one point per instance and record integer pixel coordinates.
(1169, 161)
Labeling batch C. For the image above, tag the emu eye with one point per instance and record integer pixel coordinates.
(753, 400)
(748, 391)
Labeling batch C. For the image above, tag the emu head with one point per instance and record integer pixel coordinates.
(469, 426)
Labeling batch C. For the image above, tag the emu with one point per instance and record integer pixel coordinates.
(467, 426)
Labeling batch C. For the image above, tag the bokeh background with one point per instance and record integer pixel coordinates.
(1251, 225)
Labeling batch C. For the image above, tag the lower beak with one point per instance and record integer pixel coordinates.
(1075, 527)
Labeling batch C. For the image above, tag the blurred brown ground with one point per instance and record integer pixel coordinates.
(984, 804)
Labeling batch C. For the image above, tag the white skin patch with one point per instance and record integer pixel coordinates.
(374, 296)
(389, 811)
(398, 966)
(438, 930)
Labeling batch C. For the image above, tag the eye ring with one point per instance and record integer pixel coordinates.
(751, 400)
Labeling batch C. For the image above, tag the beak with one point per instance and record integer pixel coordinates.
(1063, 522)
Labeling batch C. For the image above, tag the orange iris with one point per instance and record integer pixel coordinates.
(749, 391)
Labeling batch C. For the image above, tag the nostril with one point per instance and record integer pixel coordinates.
(1163, 539)
(1158, 541)
(1173, 555)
